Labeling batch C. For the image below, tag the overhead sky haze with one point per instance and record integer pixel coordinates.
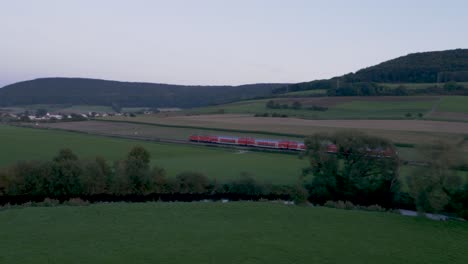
(218, 42)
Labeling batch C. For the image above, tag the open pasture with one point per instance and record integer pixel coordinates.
(234, 232)
(217, 163)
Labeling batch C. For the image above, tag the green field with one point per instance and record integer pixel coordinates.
(457, 104)
(383, 110)
(236, 232)
(306, 93)
(352, 109)
(222, 164)
(416, 86)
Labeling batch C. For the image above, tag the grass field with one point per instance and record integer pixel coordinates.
(402, 131)
(145, 131)
(416, 86)
(338, 107)
(222, 164)
(307, 93)
(237, 232)
(457, 104)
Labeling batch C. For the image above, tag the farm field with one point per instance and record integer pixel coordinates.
(234, 232)
(146, 131)
(221, 164)
(307, 92)
(458, 104)
(401, 131)
(382, 107)
(152, 132)
(388, 107)
(217, 163)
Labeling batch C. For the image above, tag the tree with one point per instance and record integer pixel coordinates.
(41, 112)
(116, 107)
(433, 186)
(94, 178)
(246, 185)
(65, 175)
(358, 172)
(271, 104)
(30, 178)
(136, 167)
(297, 105)
(4, 182)
(192, 182)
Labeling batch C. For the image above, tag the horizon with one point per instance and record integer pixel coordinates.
(211, 43)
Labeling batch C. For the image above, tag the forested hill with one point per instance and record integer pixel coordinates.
(125, 94)
(425, 67)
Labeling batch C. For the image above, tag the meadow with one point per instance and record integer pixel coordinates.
(234, 232)
(217, 163)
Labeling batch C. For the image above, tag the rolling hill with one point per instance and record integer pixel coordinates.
(417, 68)
(426, 68)
(80, 91)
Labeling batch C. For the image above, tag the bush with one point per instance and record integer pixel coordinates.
(49, 202)
(246, 185)
(317, 108)
(192, 182)
(299, 194)
(347, 205)
(76, 202)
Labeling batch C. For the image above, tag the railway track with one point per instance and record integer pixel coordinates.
(187, 142)
(162, 140)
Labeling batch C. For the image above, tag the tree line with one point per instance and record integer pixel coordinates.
(342, 86)
(296, 105)
(66, 176)
(360, 175)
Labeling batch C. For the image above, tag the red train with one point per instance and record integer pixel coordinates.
(252, 142)
(277, 144)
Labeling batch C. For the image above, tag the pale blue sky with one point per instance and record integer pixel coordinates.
(218, 42)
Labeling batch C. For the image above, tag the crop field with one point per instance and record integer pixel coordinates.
(145, 131)
(389, 107)
(457, 104)
(401, 131)
(221, 164)
(234, 232)
(307, 93)
(154, 132)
